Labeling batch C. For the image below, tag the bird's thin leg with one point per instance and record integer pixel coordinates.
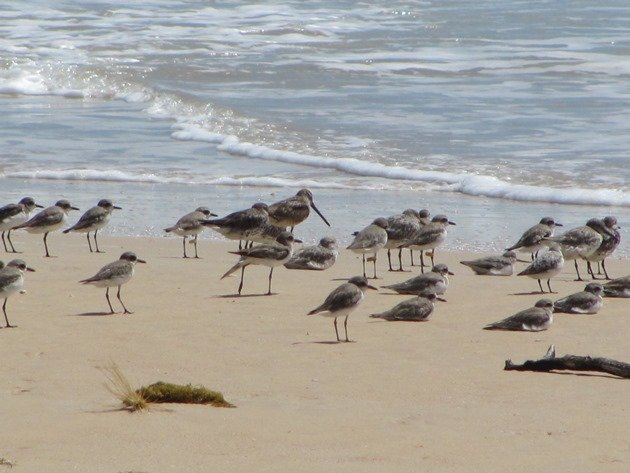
(389, 259)
(363, 264)
(432, 256)
(109, 302)
(411, 256)
(96, 242)
(549, 286)
(270, 274)
(240, 244)
(184, 246)
(579, 278)
(46, 244)
(422, 261)
(541, 288)
(13, 250)
(375, 266)
(336, 332)
(599, 268)
(123, 304)
(589, 268)
(240, 286)
(345, 326)
(4, 309)
(292, 229)
(4, 243)
(604, 268)
(195, 243)
(89, 243)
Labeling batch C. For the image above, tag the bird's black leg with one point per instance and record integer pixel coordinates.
(123, 304)
(336, 332)
(109, 302)
(240, 286)
(270, 274)
(46, 244)
(4, 309)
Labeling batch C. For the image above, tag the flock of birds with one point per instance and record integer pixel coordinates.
(265, 238)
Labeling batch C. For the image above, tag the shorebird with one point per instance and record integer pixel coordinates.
(190, 225)
(12, 215)
(545, 266)
(48, 220)
(619, 287)
(370, 240)
(588, 301)
(582, 242)
(429, 237)
(400, 228)
(531, 240)
(318, 257)
(534, 319)
(424, 217)
(494, 265)
(242, 224)
(609, 245)
(272, 255)
(11, 281)
(294, 210)
(343, 300)
(113, 274)
(416, 309)
(93, 220)
(434, 282)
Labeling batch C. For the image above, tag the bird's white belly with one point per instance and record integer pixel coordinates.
(12, 288)
(14, 221)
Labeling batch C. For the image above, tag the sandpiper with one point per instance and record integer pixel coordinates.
(48, 220)
(545, 266)
(11, 281)
(588, 301)
(12, 215)
(271, 255)
(370, 240)
(534, 319)
(294, 210)
(582, 242)
(113, 274)
(531, 240)
(318, 257)
(241, 224)
(433, 282)
(609, 245)
(93, 220)
(424, 217)
(619, 287)
(343, 300)
(416, 309)
(400, 228)
(190, 225)
(429, 237)
(494, 265)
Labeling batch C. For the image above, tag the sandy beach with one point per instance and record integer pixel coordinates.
(403, 397)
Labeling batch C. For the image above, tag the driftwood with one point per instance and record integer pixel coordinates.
(572, 362)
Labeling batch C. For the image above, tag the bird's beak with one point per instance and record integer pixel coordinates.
(320, 214)
(372, 287)
(522, 261)
(451, 223)
(295, 240)
(213, 215)
(559, 225)
(30, 269)
(39, 206)
(451, 273)
(440, 299)
(74, 208)
(140, 261)
(117, 208)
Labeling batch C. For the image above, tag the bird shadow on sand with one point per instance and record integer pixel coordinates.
(92, 314)
(237, 296)
(533, 293)
(323, 342)
(587, 375)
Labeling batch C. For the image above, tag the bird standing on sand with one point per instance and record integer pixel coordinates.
(545, 266)
(494, 265)
(93, 220)
(48, 220)
(434, 282)
(11, 281)
(294, 210)
(113, 274)
(191, 225)
(429, 237)
(272, 255)
(531, 240)
(400, 229)
(619, 287)
(588, 301)
(343, 300)
(318, 257)
(240, 225)
(416, 309)
(370, 240)
(609, 245)
(534, 319)
(12, 215)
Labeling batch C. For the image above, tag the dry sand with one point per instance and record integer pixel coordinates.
(404, 397)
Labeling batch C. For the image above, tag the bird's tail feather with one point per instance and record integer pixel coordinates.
(234, 268)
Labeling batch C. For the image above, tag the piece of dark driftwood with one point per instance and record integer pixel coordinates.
(572, 362)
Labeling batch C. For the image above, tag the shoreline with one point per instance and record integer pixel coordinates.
(404, 395)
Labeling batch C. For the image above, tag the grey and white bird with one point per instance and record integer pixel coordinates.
(502, 265)
(11, 281)
(370, 240)
(343, 300)
(318, 257)
(416, 309)
(532, 240)
(619, 287)
(433, 282)
(588, 301)
(93, 220)
(12, 215)
(400, 228)
(242, 224)
(534, 319)
(582, 242)
(429, 237)
(545, 266)
(190, 225)
(271, 255)
(48, 220)
(609, 244)
(114, 274)
(294, 210)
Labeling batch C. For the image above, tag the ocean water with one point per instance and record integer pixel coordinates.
(494, 113)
